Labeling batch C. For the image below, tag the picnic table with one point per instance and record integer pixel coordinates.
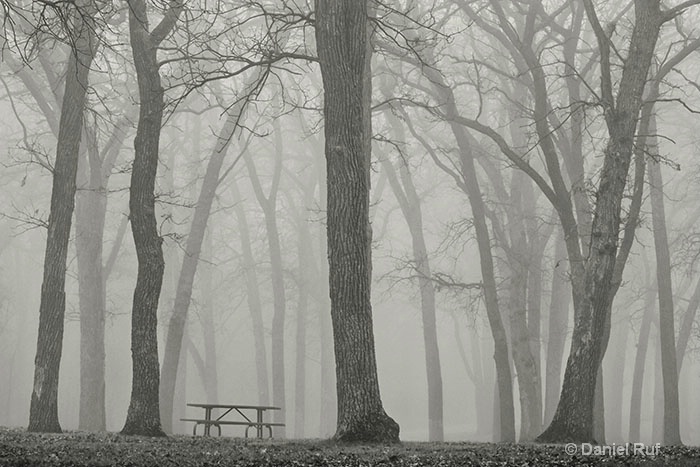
(243, 414)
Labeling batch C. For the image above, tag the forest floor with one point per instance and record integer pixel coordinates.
(19, 448)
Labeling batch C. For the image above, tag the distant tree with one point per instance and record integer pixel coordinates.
(268, 203)
(344, 52)
(193, 248)
(43, 413)
(143, 417)
(403, 186)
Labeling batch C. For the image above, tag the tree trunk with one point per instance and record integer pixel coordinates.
(616, 372)
(529, 383)
(91, 207)
(573, 420)
(190, 262)
(90, 213)
(304, 258)
(43, 412)
(329, 399)
(687, 325)
(269, 206)
(410, 204)
(469, 183)
(657, 417)
(252, 296)
(557, 328)
(143, 416)
(343, 43)
(671, 433)
(639, 363)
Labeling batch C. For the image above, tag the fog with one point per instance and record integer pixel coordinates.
(278, 143)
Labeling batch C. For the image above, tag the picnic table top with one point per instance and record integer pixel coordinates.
(234, 406)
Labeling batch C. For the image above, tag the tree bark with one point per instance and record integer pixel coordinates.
(573, 420)
(43, 412)
(343, 42)
(143, 416)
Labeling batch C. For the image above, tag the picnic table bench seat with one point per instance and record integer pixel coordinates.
(218, 423)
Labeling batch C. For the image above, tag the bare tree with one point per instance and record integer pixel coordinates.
(344, 51)
(143, 417)
(43, 414)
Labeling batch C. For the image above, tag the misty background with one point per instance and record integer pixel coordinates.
(271, 188)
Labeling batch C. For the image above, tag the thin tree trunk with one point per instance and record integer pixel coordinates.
(657, 418)
(470, 185)
(343, 43)
(143, 416)
(639, 363)
(687, 325)
(557, 328)
(252, 296)
(304, 258)
(90, 213)
(410, 204)
(269, 206)
(617, 374)
(190, 262)
(43, 412)
(671, 433)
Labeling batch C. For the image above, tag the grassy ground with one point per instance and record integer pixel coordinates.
(19, 448)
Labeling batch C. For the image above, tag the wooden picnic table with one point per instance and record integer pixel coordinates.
(236, 409)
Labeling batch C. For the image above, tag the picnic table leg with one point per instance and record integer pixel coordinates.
(207, 426)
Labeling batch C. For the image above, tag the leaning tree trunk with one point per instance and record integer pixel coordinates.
(343, 42)
(190, 262)
(143, 416)
(43, 412)
(573, 420)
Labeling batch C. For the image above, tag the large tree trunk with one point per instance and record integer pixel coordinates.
(671, 432)
(43, 412)
(573, 420)
(343, 42)
(143, 416)
(410, 204)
